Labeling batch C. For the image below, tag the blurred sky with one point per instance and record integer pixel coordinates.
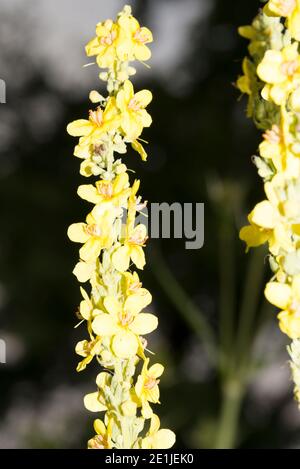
(59, 29)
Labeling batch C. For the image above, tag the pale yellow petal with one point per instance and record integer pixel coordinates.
(92, 403)
(144, 323)
(125, 344)
(279, 294)
(77, 233)
(104, 325)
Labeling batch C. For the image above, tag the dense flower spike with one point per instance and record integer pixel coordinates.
(272, 82)
(113, 244)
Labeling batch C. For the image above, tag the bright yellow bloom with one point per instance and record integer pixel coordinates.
(281, 71)
(104, 44)
(95, 235)
(105, 193)
(244, 82)
(287, 298)
(132, 249)
(104, 433)
(124, 323)
(112, 307)
(146, 387)
(289, 9)
(133, 44)
(158, 438)
(132, 106)
(84, 271)
(88, 350)
(92, 130)
(266, 225)
(134, 240)
(95, 401)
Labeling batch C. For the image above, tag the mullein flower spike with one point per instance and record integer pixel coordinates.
(271, 79)
(112, 306)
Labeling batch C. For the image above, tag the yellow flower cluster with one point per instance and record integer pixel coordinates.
(113, 245)
(272, 81)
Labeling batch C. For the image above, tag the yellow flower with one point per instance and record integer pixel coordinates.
(132, 249)
(289, 9)
(132, 284)
(158, 438)
(104, 435)
(86, 305)
(137, 146)
(104, 44)
(146, 387)
(84, 271)
(132, 106)
(281, 71)
(106, 192)
(135, 238)
(133, 44)
(266, 225)
(95, 401)
(95, 235)
(91, 130)
(124, 323)
(287, 298)
(87, 349)
(244, 82)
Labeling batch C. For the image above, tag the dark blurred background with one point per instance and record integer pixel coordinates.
(227, 380)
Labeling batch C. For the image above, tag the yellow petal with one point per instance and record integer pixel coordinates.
(144, 323)
(136, 145)
(95, 97)
(91, 250)
(269, 69)
(83, 271)
(128, 90)
(145, 118)
(143, 97)
(112, 305)
(88, 192)
(92, 403)
(295, 100)
(136, 302)
(296, 287)
(99, 427)
(77, 233)
(163, 439)
(125, 344)
(79, 128)
(93, 47)
(121, 258)
(147, 412)
(252, 236)
(264, 215)
(278, 294)
(142, 52)
(294, 24)
(104, 325)
(156, 370)
(289, 323)
(138, 257)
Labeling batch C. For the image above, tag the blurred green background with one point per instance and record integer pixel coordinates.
(227, 380)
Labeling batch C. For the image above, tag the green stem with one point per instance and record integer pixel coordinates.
(233, 393)
(251, 297)
(183, 304)
(227, 290)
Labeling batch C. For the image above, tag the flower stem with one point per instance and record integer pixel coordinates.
(233, 392)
